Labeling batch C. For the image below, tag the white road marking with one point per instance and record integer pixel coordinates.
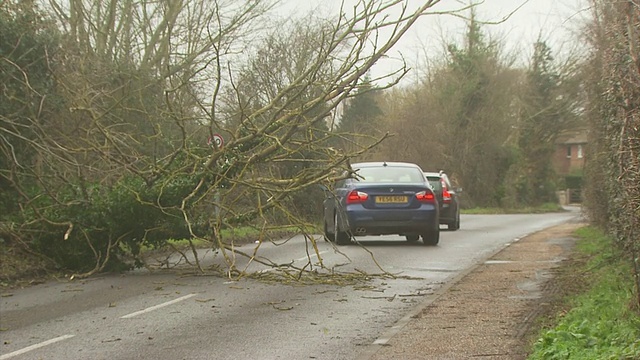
(381, 341)
(35, 346)
(157, 306)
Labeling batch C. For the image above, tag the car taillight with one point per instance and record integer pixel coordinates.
(356, 197)
(446, 196)
(425, 196)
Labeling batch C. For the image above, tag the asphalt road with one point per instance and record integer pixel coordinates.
(174, 315)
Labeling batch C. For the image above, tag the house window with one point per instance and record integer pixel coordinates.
(580, 152)
(569, 151)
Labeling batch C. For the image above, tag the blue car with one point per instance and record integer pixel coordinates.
(383, 198)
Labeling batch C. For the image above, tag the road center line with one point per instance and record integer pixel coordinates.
(155, 307)
(35, 346)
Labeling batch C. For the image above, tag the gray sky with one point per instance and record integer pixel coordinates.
(555, 21)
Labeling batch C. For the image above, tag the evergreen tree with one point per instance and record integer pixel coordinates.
(475, 104)
(545, 114)
(361, 113)
(28, 42)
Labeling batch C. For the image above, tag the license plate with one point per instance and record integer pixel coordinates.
(391, 199)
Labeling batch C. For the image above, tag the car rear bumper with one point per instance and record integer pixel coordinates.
(448, 213)
(370, 223)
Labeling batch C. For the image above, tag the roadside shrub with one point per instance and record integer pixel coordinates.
(109, 222)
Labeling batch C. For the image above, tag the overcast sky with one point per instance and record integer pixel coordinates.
(555, 21)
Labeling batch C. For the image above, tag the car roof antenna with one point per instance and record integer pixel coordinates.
(384, 164)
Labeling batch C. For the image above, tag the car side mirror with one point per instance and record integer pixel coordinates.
(323, 187)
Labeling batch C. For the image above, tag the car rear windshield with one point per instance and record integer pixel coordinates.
(390, 174)
(435, 182)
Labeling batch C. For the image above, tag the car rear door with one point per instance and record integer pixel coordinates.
(436, 183)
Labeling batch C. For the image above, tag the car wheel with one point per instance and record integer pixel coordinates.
(341, 237)
(331, 237)
(412, 238)
(454, 225)
(432, 237)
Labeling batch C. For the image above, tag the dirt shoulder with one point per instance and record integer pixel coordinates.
(493, 311)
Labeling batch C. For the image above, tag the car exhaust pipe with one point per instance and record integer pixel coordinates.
(361, 231)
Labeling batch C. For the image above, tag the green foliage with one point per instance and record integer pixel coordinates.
(362, 113)
(472, 102)
(28, 43)
(600, 324)
(541, 209)
(573, 181)
(129, 213)
(545, 112)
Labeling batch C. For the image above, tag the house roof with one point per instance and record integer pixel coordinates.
(578, 136)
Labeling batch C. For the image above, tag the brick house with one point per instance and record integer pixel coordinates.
(568, 162)
(570, 152)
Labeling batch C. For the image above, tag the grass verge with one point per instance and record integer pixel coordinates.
(544, 208)
(597, 321)
(246, 234)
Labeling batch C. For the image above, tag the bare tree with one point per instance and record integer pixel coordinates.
(145, 83)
